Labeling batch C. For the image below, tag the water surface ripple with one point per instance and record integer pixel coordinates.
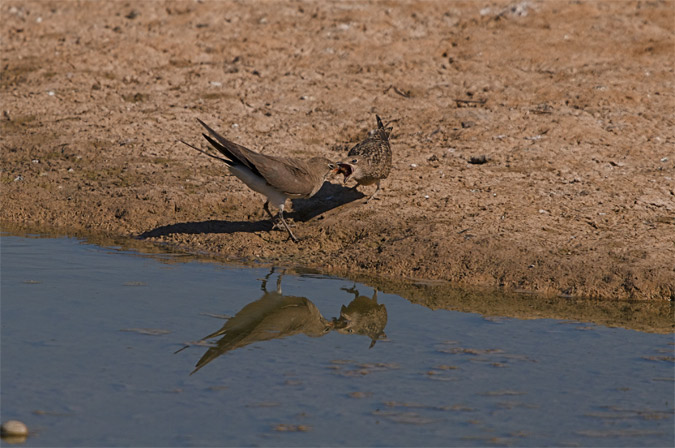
(107, 347)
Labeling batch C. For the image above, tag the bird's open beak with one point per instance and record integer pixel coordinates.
(346, 169)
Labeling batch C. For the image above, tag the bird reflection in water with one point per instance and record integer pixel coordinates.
(362, 316)
(275, 316)
(272, 316)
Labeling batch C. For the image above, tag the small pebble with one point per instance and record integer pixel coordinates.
(14, 428)
(413, 165)
(359, 394)
(292, 428)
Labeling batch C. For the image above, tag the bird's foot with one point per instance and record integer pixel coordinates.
(372, 196)
(278, 225)
(285, 224)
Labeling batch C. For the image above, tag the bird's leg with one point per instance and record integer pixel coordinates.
(279, 282)
(275, 221)
(263, 286)
(266, 206)
(376, 191)
(283, 221)
(352, 290)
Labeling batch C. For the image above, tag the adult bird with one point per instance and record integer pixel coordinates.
(277, 178)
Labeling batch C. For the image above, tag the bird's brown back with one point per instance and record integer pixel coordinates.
(296, 178)
(293, 177)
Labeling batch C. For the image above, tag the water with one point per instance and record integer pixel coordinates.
(89, 336)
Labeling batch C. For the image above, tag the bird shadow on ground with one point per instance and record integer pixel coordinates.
(211, 226)
(330, 196)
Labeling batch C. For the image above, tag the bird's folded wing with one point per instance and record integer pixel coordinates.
(290, 176)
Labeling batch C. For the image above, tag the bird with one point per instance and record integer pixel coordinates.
(272, 316)
(362, 316)
(277, 178)
(370, 160)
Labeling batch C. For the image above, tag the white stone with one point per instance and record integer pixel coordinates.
(14, 428)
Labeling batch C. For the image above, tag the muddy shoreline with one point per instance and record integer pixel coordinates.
(492, 303)
(570, 106)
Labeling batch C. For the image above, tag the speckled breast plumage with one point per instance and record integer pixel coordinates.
(376, 153)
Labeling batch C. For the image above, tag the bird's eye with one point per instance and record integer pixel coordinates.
(331, 166)
(354, 160)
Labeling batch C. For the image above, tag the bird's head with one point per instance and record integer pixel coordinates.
(351, 167)
(324, 167)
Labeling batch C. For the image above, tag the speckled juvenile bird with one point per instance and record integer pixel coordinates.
(369, 161)
(362, 316)
(277, 178)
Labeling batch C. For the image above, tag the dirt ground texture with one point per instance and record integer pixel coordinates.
(570, 105)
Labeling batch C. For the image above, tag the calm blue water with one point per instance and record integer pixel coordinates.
(89, 335)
